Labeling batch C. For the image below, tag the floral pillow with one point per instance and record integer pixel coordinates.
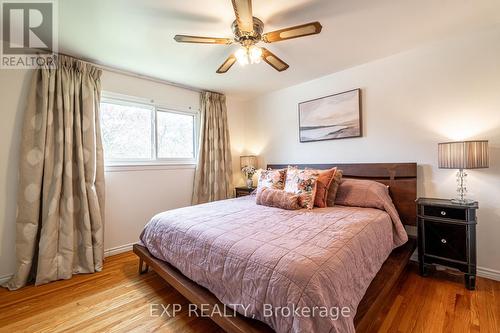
(303, 183)
(274, 179)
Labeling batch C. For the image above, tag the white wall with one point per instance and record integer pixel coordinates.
(411, 101)
(237, 115)
(13, 91)
(133, 195)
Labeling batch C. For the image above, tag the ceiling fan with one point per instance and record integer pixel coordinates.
(247, 32)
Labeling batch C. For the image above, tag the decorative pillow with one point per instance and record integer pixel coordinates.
(371, 194)
(362, 193)
(277, 198)
(303, 183)
(334, 186)
(323, 183)
(272, 179)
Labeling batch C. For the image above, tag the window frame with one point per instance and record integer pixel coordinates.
(125, 100)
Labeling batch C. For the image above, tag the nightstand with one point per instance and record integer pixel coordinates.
(447, 236)
(242, 191)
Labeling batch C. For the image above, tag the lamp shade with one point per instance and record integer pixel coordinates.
(249, 160)
(463, 155)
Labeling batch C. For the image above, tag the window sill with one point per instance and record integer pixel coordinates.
(148, 166)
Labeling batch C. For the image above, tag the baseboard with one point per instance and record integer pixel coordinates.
(483, 272)
(117, 250)
(488, 273)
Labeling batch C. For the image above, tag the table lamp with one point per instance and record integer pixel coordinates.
(463, 155)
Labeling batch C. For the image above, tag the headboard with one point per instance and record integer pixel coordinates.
(401, 178)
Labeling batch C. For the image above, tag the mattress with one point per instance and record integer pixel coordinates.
(297, 271)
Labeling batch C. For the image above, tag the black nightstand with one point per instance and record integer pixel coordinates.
(242, 191)
(447, 236)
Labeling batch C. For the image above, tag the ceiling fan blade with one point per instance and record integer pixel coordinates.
(292, 32)
(243, 12)
(273, 60)
(202, 40)
(227, 64)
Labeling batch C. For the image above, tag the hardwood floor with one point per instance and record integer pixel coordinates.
(118, 300)
(115, 300)
(440, 303)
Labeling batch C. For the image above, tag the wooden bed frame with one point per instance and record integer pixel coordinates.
(402, 181)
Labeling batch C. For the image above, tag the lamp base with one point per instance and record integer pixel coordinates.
(461, 188)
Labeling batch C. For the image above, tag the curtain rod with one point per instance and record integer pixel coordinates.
(136, 75)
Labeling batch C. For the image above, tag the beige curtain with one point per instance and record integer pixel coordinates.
(61, 181)
(213, 177)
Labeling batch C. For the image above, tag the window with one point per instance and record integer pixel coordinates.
(175, 135)
(127, 131)
(138, 132)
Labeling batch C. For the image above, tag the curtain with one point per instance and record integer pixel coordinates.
(213, 176)
(61, 178)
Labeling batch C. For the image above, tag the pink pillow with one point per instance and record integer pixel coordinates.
(277, 198)
(362, 193)
(371, 194)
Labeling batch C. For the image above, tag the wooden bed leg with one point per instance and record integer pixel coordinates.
(142, 269)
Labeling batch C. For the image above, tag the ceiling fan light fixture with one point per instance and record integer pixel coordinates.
(248, 55)
(248, 31)
(255, 54)
(242, 56)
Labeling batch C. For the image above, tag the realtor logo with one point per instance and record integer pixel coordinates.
(29, 34)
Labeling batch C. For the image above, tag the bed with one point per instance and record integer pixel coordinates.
(261, 261)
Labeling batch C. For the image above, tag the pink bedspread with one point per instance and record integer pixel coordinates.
(264, 258)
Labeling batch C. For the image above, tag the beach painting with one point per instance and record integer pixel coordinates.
(332, 117)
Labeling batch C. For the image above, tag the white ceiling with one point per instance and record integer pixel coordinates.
(138, 36)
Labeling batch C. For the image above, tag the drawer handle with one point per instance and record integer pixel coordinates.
(443, 213)
(443, 241)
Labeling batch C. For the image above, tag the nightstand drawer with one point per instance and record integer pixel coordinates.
(446, 240)
(445, 212)
(243, 191)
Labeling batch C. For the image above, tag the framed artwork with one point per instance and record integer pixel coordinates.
(332, 117)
